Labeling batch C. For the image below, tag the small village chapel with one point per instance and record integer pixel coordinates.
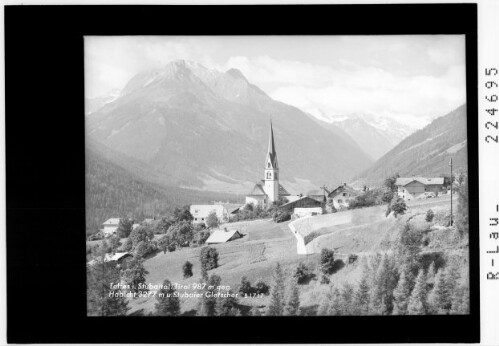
(268, 190)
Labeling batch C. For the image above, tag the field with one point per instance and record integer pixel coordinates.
(362, 232)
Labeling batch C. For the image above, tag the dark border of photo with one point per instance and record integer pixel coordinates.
(45, 170)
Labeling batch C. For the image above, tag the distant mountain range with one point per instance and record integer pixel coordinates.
(426, 152)
(203, 129)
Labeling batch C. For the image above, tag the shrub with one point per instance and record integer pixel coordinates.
(282, 215)
(141, 234)
(212, 220)
(261, 287)
(127, 245)
(429, 215)
(208, 258)
(397, 206)
(124, 227)
(187, 269)
(144, 249)
(302, 273)
(327, 261)
(245, 287)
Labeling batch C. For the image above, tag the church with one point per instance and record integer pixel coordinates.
(268, 190)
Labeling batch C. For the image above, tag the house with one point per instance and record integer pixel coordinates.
(223, 236)
(302, 212)
(342, 195)
(411, 188)
(200, 212)
(268, 190)
(119, 257)
(302, 202)
(319, 195)
(110, 226)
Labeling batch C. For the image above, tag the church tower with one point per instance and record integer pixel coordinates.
(271, 171)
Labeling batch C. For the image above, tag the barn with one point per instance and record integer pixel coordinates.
(410, 188)
(222, 236)
(302, 202)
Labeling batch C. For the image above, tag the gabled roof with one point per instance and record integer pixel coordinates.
(205, 209)
(257, 190)
(283, 191)
(425, 181)
(110, 258)
(220, 236)
(343, 188)
(112, 221)
(299, 199)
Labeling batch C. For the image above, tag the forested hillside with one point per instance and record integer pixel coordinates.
(112, 191)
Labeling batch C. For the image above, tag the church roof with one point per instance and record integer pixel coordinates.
(271, 153)
(257, 190)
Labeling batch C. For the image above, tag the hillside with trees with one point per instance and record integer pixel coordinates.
(113, 191)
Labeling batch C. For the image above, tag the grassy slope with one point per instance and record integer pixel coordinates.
(266, 243)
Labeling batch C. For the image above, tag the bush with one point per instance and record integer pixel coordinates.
(367, 199)
(144, 249)
(282, 215)
(245, 287)
(261, 287)
(327, 261)
(397, 206)
(187, 269)
(212, 220)
(127, 245)
(208, 258)
(429, 215)
(141, 234)
(302, 273)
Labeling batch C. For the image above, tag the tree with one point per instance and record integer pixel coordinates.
(212, 220)
(293, 301)
(227, 306)
(261, 287)
(182, 214)
(389, 182)
(141, 234)
(429, 215)
(255, 311)
(208, 258)
(101, 299)
(135, 274)
(327, 261)
(384, 283)
(208, 303)
(187, 269)
(302, 273)
(401, 295)
(335, 306)
(347, 294)
(441, 295)
(397, 206)
(276, 306)
(245, 287)
(461, 301)
(361, 299)
(181, 233)
(418, 300)
(143, 249)
(114, 242)
(168, 303)
(124, 228)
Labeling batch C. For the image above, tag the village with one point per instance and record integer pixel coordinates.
(347, 223)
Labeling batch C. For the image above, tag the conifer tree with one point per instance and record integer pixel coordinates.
(207, 305)
(347, 294)
(430, 274)
(335, 307)
(277, 302)
(100, 275)
(401, 295)
(417, 302)
(293, 301)
(168, 304)
(361, 299)
(227, 306)
(461, 301)
(440, 297)
(135, 274)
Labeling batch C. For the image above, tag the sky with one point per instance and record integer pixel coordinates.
(409, 78)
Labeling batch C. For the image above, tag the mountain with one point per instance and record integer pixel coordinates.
(205, 129)
(95, 103)
(373, 141)
(426, 152)
(115, 187)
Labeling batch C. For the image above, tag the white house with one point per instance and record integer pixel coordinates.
(110, 226)
(410, 188)
(222, 236)
(200, 212)
(342, 195)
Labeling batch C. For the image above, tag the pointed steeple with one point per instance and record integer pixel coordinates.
(271, 153)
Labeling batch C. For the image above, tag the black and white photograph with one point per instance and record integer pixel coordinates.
(318, 175)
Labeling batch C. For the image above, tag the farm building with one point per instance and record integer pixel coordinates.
(410, 188)
(342, 195)
(119, 258)
(302, 202)
(223, 236)
(110, 226)
(200, 212)
(302, 212)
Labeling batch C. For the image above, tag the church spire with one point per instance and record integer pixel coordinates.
(271, 153)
